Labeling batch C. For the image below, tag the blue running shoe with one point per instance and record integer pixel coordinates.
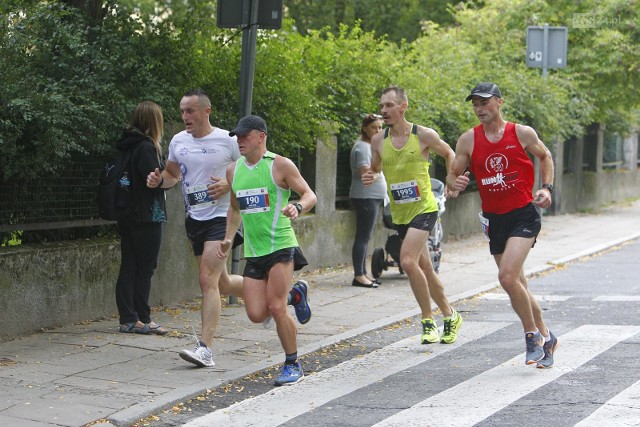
(549, 348)
(535, 352)
(291, 374)
(303, 310)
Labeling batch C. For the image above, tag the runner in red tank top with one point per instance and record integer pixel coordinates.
(496, 153)
(503, 171)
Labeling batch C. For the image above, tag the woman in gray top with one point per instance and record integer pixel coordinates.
(365, 199)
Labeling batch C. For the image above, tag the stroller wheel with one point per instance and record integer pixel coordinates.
(435, 261)
(377, 262)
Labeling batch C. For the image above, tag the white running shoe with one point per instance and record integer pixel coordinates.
(201, 355)
(268, 322)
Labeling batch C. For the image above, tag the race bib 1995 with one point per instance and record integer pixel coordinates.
(405, 192)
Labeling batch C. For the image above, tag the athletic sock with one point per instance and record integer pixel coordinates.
(294, 297)
(291, 359)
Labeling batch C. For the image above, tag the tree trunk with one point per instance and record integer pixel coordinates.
(94, 10)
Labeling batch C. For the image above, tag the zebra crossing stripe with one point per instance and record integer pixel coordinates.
(508, 382)
(560, 298)
(622, 410)
(618, 298)
(332, 383)
(505, 297)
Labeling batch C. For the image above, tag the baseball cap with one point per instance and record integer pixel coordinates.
(249, 123)
(485, 90)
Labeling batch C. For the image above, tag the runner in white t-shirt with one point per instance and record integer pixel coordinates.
(199, 156)
(200, 159)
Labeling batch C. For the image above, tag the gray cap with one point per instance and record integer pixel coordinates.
(485, 90)
(247, 124)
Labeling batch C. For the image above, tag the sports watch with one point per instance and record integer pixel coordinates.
(548, 187)
(298, 207)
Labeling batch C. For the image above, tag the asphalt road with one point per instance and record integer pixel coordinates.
(386, 378)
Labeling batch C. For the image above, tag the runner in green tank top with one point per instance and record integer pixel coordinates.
(402, 151)
(261, 184)
(261, 201)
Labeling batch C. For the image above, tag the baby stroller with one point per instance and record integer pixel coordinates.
(381, 261)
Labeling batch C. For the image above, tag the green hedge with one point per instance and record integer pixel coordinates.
(71, 79)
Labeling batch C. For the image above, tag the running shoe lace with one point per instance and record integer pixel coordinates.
(195, 337)
(287, 370)
(447, 327)
(427, 326)
(531, 344)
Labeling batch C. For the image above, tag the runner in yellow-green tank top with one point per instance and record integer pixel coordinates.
(413, 207)
(261, 201)
(408, 180)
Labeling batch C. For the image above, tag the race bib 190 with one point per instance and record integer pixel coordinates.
(405, 192)
(254, 200)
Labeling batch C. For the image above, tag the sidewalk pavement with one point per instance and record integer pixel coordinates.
(92, 374)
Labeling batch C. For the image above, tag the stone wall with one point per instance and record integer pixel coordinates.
(52, 285)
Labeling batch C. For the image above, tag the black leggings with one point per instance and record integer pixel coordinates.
(139, 247)
(366, 217)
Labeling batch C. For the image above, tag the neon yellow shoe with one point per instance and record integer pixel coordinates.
(429, 332)
(451, 327)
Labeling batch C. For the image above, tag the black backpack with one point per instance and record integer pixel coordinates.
(114, 190)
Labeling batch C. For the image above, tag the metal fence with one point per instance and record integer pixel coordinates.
(62, 200)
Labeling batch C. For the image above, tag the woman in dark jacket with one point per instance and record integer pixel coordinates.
(141, 230)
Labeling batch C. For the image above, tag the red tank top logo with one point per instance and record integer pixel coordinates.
(497, 163)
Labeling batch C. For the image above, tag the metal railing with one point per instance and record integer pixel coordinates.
(63, 200)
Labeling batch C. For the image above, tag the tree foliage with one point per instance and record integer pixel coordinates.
(70, 81)
(398, 21)
(600, 83)
(73, 70)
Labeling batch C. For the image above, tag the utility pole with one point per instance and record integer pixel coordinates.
(251, 14)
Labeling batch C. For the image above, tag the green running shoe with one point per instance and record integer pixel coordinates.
(429, 332)
(451, 327)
